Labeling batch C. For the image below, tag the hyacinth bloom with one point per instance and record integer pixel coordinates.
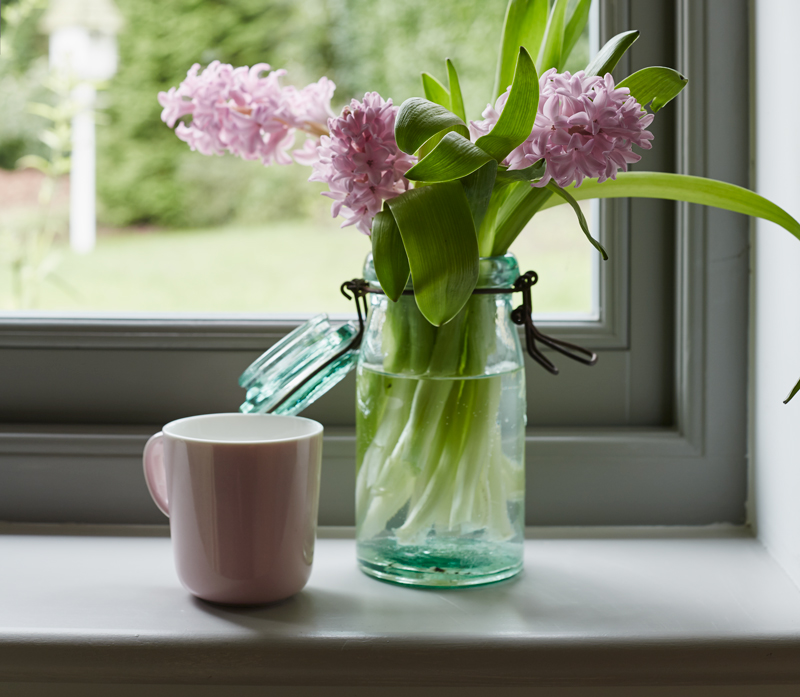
(245, 111)
(360, 160)
(585, 128)
(249, 114)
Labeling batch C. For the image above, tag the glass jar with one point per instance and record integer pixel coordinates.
(440, 430)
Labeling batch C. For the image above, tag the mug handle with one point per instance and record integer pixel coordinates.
(154, 473)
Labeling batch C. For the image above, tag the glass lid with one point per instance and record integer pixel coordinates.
(300, 368)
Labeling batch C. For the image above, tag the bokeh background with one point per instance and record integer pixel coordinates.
(180, 232)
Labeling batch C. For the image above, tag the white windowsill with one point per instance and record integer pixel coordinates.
(606, 608)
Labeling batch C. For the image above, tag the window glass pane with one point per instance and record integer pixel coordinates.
(554, 246)
(181, 232)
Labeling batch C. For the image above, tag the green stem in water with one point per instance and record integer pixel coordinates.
(396, 405)
(433, 505)
(498, 525)
(441, 455)
(431, 395)
(477, 453)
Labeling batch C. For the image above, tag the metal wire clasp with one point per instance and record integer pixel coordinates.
(523, 315)
(359, 289)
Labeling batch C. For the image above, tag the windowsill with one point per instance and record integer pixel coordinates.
(654, 607)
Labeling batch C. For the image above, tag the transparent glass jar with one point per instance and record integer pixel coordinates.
(440, 429)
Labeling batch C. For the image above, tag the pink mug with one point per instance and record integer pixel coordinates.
(241, 492)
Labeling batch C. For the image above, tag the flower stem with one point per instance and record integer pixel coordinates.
(430, 437)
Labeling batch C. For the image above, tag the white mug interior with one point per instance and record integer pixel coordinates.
(242, 428)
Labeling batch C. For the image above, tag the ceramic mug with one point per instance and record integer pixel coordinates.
(241, 492)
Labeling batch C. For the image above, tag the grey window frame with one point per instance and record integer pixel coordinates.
(658, 436)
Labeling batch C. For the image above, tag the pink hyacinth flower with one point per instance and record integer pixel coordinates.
(585, 128)
(245, 111)
(360, 161)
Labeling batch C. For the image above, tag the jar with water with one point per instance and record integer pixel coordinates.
(440, 430)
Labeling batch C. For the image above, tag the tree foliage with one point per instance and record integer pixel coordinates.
(145, 174)
(22, 69)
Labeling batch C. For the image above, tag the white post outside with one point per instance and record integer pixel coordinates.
(82, 220)
(83, 46)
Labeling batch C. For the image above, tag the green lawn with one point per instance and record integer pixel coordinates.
(287, 268)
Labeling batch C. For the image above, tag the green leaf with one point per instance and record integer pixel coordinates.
(794, 391)
(683, 187)
(456, 100)
(488, 228)
(439, 237)
(389, 255)
(550, 54)
(478, 187)
(453, 157)
(581, 219)
(524, 25)
(575, 26)
(607, 58)
(516, 122)
(419, 120)
(534, 172)
(659, 85)
(435, 91)
(519, 204)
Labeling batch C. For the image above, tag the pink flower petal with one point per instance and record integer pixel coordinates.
(585, 128)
